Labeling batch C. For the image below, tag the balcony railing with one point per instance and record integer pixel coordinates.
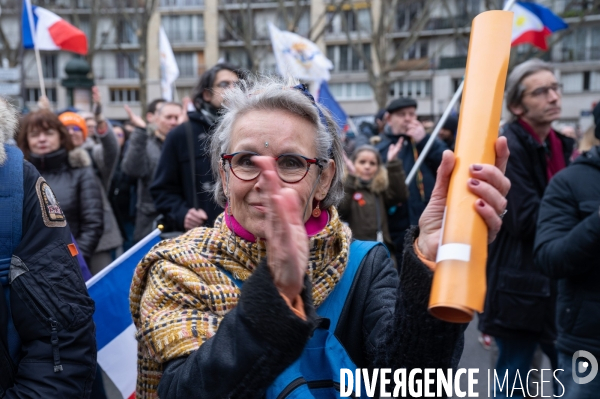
(181, 3)
(591, 53)
(453, 62)
(459, 21)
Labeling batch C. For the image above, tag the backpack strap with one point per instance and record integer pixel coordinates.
(236, 281)
(332, 307)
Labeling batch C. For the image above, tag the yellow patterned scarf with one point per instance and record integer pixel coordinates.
(179, 295)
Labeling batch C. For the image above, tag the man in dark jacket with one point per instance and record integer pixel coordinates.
(567, 248)
(519, 307)
(142, 157)
(368, 131)
(47, 335)
(182, 189)
(401, 121)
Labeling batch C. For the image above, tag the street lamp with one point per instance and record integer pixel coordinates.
(78, 84)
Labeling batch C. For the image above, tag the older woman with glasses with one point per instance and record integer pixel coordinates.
(240, 310)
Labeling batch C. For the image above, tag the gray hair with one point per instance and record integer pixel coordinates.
(514, 89)
(8, 126)
(258, 93)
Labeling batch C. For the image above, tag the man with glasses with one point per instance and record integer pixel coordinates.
(520, 303)
(182, 189)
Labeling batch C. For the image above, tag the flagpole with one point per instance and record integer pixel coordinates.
(38, 60)
(507, 6)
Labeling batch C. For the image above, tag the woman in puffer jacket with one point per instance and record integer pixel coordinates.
(370, 190)
(46, 143)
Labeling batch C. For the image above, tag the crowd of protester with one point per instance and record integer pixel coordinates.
(116, 181)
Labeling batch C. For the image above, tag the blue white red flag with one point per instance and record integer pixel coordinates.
(50, 32)
(533, 23)
(115, 331)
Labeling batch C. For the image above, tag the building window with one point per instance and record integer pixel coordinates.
(50, 66)
(411, 88)
(351, 91)
(126, 32)
(124, 95)
(418, 50)
(126, 65)
(186, 63)
(84, 25)
(583, 44)
(572, 82)
(346, 58)
(32, 95)
(237, 56)
(595, 81)
(183, 28)
(349, 21)
(407, 14)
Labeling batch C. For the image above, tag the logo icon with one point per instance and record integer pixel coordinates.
(584, 366)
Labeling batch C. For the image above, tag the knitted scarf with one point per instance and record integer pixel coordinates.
(179, 295)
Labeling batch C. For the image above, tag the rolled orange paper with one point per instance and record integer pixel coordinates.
(459, 282)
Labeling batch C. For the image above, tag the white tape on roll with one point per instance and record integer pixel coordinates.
(454, 252)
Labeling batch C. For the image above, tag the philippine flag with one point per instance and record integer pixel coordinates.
(533, 23)
(50, 32)
(115, 332)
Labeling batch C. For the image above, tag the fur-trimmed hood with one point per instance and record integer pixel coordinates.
(75, 159)
(8, 125)
(378, 185)
(79, 158)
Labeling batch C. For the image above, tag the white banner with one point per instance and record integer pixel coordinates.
(169, 71)
(298, 57)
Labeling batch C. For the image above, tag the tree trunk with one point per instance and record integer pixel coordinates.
(381, 92)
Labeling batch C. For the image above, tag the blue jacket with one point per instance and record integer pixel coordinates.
(49, 302)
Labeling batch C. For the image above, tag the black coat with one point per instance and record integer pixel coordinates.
(406, 214)
(140, 160)
(78, 192)
(384, 323)
(567, 248)
(47, 293)
(520, 300)
(172, 188)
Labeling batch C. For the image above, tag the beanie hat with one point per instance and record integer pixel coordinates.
(399, 103)
(451, 124)
(71, 118)
(596, 113)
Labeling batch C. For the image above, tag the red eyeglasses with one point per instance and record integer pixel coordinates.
(291, 168)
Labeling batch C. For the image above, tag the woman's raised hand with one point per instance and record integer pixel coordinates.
(487, 182)
(287, 242)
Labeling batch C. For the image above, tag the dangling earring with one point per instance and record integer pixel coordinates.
(317, 211)
(229, 211)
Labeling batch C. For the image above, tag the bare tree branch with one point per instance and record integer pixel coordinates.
(316, 37)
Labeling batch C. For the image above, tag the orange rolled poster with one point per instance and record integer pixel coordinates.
(459, 282)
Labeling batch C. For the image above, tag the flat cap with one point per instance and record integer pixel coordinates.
(402, 102)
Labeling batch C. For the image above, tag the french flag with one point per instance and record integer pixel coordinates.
(115, 331)
(50, 31)
(533, 23)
